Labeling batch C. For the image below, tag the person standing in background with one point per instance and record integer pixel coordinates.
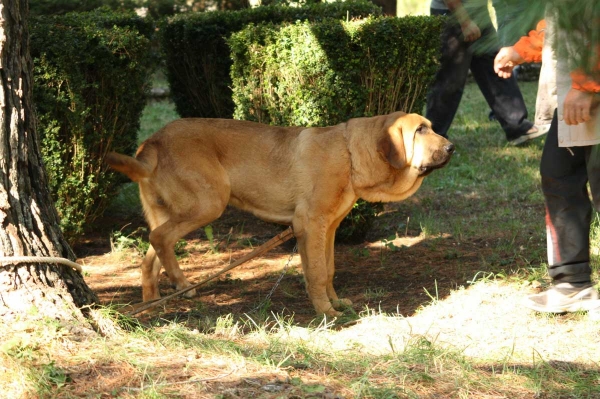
(469, 41)
(514, 18)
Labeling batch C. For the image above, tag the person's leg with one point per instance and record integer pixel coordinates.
(502, 95)
(568, 210)
(568, 217)
(447, 88)
(515, 73)
(593, 172)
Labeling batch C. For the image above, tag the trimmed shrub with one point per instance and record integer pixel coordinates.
(60, 7)
(91, 74)
(324, 73)
(197, 55)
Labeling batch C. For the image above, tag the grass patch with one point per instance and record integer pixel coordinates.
(156, 114)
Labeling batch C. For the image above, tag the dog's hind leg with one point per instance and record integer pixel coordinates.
(150, 269)
(164, 237)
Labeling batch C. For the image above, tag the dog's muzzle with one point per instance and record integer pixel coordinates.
(444, 155)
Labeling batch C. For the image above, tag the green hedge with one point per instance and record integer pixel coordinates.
(321, 74)
(324, 73)
(91, 74)
(60, 7)
(153, 8)
(197, 55)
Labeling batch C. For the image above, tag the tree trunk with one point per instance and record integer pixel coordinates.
(28, 219)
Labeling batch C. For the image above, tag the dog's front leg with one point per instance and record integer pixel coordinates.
(311, 245)
(338, 303)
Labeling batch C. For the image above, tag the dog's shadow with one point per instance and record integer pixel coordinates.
(376, 275)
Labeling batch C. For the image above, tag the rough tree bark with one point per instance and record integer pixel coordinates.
(28, 219)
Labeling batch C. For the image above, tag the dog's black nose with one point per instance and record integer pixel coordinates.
(449, 148)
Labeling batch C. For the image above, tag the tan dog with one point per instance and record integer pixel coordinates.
(305, 177)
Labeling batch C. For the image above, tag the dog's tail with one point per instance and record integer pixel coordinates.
(135, 169)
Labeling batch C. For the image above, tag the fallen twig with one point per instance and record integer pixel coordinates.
(267, 246)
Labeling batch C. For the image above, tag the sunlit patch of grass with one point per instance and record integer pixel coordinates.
(156, 115)
(488, 184)
(412, 7)
(382, 356)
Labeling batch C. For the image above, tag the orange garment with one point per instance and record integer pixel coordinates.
(530, 49)
(583, 82)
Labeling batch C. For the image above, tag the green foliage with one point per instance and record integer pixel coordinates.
(60, 7)
(324, 73)
(91, 73)
(356, 225)
(120, 241)
(579, 37)
(213, 244)
(155, 9)
(158, 9)
(320, 74)
(198, 58)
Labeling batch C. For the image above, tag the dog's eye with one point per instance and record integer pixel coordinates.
(422, 129)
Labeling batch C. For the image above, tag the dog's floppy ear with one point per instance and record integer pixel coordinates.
(391, 146)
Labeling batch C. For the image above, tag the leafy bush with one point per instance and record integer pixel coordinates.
(320, 74)
(323, 73)
(155, 9)
(158, 9)
(197, 55)
(91, 73)
(60, 7)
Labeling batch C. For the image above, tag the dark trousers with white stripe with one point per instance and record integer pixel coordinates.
(565, 174)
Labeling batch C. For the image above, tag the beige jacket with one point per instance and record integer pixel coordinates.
(575, 135)
(583, 134)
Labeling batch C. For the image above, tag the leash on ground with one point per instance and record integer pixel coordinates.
(267, 246)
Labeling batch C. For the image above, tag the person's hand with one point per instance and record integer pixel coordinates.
(506, 60)
(578, 106)
(470, 30)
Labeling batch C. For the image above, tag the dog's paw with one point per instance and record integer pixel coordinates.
(326, 308)
(341, 303)
(333, 313)
(190, 294)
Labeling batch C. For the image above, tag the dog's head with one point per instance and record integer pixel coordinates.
(408, 141)
(391, 154)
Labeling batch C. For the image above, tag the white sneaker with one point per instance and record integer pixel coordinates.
(564, 297)
(531, 134)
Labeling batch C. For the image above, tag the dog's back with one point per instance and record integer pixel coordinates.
(242, 162)
(186, 139)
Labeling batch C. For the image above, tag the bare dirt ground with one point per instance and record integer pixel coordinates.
(372, 274)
